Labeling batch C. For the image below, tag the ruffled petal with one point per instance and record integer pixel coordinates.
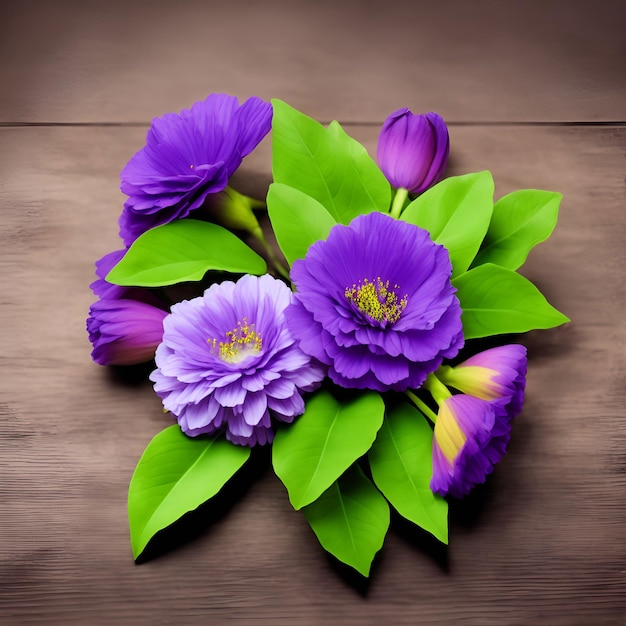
(215, 367)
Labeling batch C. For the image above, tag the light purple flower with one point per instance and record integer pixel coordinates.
(124, 332)
(375, 304)
(413, 149)
(188, 156)
(229, 361)
(469, 439)
(497, 375)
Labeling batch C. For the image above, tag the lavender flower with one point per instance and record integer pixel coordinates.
(124, 332)
(188, 156)
(229, 361)
(375, 304)
(413, 149)
(469, 439)
(497, 375)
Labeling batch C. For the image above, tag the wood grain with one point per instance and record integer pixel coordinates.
(354, 60)
(543, 542)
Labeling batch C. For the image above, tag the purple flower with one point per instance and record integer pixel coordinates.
(109, 291)
(188, 156)
(469, 439)
(124, 332)
(497, 375)
(228, 360)
(101, 287)
(413, 149)
(375, 304)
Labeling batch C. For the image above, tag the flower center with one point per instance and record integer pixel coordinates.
(377, 300)
(241, 342)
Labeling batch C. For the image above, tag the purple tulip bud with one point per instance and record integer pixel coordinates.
(124, 332)
(497, 375)
(469, 439)
(413, 149)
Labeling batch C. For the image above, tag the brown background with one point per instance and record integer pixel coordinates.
(533, 91)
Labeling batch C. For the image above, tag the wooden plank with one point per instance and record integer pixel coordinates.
(544, 542)
(358, 60)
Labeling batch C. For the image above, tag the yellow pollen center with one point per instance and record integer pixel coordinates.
(377, 300)
(241, 342)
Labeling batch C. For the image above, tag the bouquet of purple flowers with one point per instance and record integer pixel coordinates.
(350, 351)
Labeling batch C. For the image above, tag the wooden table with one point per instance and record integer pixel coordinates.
(533, 91)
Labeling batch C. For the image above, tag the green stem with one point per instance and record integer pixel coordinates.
(422, 406)
(398, 202)
(241, 198)
(437, 389)
(278, 266)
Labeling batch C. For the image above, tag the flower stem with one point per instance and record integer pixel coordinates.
(255, 203)
(437, 389)
(398, 202)
(422, 406)
(241, 199)
(278, 266)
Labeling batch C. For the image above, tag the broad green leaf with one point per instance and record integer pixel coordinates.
(456, 213)
(181, 251)
(520, 221)
(350, 520)
(298, 220)
(309, 455)
(498, 301)
(326, 164)
(401, 464)
(175, 475)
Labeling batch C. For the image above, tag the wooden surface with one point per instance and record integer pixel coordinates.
(534, 92)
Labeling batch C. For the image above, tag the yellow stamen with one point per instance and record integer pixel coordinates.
(241, 342)
(377, 300)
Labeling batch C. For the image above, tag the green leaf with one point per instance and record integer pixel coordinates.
(456, 213)
(326, 164)
(175, 475)
(401, 464)
(497, 301)
(350, 520)
(181, 251)
(309, 455)
(520, 221)
(298, 220)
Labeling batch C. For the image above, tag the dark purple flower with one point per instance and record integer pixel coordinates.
(188, 156)
(101, 287)
(124, 332)
(497, 375)
(228, 360)
(375, 304)
(469, 439)
(109, 291)
(413, 149)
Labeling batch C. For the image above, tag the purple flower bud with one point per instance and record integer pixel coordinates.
(497, 375)
(469, 439)
(413, 149)
(124, 332)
